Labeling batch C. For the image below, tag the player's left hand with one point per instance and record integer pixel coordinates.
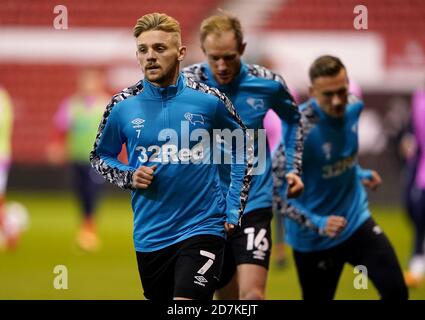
(374, 182)
(295, 185)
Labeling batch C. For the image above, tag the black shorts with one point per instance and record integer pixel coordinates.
(250, 244)
(368, 248)
(188, 269)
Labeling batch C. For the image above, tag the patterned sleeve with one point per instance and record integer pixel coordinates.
(280, 205)
(241, 174)
(109, 141)
(195, 72)
(292, 129)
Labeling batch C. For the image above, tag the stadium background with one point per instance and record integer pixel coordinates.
(39, 66)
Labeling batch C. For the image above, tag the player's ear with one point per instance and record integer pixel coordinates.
(182, 53)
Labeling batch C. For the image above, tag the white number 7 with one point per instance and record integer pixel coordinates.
(209, 263)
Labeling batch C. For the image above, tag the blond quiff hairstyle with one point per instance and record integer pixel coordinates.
(157, 21)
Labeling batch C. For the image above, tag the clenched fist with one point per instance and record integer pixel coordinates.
(334, 226)
(295, 185)
(143, 176)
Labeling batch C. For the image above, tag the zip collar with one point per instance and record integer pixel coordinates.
(164, 92)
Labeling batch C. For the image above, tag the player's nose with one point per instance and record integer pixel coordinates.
(336, 100)
(151, 55)
(221, 65)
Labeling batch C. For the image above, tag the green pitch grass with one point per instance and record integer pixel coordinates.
(111, 273)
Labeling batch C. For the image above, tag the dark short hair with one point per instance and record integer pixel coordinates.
(325, 66)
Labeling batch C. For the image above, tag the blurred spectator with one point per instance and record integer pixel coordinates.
(355, 89)
(9, 231)
(75, 126)
(6, 122)
(412, 147)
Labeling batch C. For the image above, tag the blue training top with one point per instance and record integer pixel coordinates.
(253, 92)
(166, 127)
(332, 178)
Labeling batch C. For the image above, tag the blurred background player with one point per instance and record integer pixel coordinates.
(273, 127)
(412, 149)
(75, 125)
(253, 90)
(334, 198)
(9, 236)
